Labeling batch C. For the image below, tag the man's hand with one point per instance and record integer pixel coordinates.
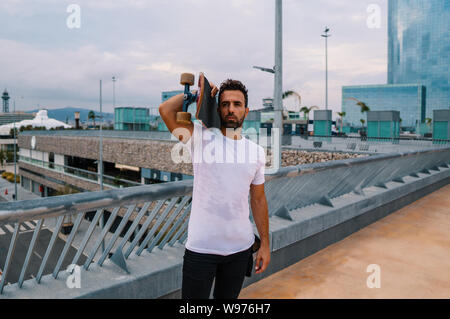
(260, 212)
(262, 259)
(214, 89)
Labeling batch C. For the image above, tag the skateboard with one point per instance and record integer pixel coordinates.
(206, 111)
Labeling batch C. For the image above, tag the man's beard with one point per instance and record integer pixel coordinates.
(231, 123)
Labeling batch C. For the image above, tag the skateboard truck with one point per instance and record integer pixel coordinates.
(184, 117)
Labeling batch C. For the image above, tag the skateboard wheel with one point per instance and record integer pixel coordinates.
(184, 118)
(187, 78)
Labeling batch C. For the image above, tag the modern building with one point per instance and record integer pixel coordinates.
(40, 120)
(11, 117)
(322, 122)
(18, 119)
(441, 125)
(165, 95)
(408, 99)
(383, 124)
(131, 119)
(57, 160)
(418, 66)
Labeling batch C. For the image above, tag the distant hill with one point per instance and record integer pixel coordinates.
(69, 113)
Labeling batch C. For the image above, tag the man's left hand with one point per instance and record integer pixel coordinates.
(262, 259)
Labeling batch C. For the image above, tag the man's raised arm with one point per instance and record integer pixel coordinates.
(168, 111)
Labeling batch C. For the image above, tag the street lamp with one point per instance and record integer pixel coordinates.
(101, 140)
(265, 69)
(278, 85)
(100, 161)
(326, 35)
(114, 91)
(15, 176)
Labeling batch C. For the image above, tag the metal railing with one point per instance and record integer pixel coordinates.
(152, 135)
(370, 144)
(156, 216)
(79, 173)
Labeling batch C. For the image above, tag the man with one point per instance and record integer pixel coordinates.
(220, 233)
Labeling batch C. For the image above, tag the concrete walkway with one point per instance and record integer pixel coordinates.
(23, 194)
(411, 248)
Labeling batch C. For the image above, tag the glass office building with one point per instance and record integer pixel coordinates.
(167, 95)
(409, 99)
(419, 48)
(418, 64)
(131, 119)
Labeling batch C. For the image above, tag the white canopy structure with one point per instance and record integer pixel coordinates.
(41, 119)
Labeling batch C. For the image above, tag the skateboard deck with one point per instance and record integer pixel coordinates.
(206, 112)
(206, 105)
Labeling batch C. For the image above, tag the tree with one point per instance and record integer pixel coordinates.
(363, 132)
(429, 121)
(363, 106)
(2, 156)
(92, 116)
(342, 115)
(11, 131)
(306, 111)
(9, 156)
(288, 94)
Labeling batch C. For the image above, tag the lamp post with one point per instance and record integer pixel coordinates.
(326, 35)
(101, 141)
(114, 91)
(100, 162)
(15, 176)
(278, 100)
(277, 70)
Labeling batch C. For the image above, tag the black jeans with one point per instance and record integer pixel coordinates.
(199, 271)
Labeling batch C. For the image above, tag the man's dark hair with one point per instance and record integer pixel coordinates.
(230, 84)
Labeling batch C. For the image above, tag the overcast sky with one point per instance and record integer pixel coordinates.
(147, 44)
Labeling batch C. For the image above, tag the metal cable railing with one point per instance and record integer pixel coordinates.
(79, 173)
(371, 144)
(153, 216)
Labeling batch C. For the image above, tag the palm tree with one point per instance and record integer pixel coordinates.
(288, 94)
(428, 121)
(2, 156)
(341, 114)
(92, 116)
(306, 111)
(364, 107)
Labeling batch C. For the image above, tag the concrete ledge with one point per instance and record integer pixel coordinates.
(314, 227)
(380, 204)
(315, 218)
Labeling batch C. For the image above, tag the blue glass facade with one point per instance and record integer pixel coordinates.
(167, 95)
(131, 118)
(419, 48)
(418, 65)
(408, 99)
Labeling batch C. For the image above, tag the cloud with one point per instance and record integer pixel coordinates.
(148, 44)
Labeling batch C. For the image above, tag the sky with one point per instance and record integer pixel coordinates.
(46, 62)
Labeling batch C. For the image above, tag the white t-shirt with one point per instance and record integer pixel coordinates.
(219, 222)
